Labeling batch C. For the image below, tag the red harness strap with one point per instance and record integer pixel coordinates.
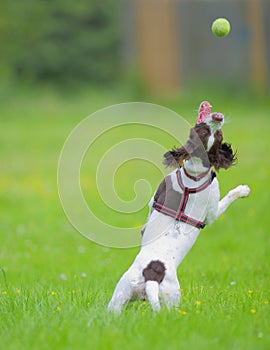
(195, 178)
(179, 214)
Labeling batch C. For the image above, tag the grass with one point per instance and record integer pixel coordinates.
(55, 284)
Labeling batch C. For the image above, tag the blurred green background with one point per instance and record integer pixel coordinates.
(61, 61)
(60, 42)
(156, 46)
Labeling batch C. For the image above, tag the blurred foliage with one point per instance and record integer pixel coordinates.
(60, 41)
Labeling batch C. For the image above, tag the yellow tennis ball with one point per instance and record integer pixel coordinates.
(221, 27)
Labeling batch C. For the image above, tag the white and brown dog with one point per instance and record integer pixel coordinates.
(185, 201)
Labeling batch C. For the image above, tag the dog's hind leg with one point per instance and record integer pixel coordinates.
(121, 295)
(170, 292)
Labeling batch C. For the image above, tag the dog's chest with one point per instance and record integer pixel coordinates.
(176, 199)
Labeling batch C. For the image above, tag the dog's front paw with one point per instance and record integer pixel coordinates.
(243, 190)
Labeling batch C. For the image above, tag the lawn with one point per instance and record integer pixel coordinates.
(55, 284)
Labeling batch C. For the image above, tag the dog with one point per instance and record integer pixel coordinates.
(186, 200)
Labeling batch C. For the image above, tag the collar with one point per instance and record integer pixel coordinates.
(195, 178)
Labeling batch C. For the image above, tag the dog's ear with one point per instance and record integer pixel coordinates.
(227, 157)
(175, 157)
(195, 146)
(221, 154)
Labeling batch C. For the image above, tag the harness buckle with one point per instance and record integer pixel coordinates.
(177, 226)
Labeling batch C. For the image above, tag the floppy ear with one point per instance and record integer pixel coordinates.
(226, 156)
(175, 157)
(221, 154)
(193, 147)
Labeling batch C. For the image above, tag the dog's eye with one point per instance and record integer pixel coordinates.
(205, 132)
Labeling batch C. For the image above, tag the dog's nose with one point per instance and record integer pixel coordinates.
(217, 117)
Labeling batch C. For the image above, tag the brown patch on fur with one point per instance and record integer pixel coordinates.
(154, 271)
(161, 191)
(166, 195)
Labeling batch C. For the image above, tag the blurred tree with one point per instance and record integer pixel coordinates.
(60, 40)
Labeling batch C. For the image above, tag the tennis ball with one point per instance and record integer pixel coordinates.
(221, 27)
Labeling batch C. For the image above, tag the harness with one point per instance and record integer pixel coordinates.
(173, 203)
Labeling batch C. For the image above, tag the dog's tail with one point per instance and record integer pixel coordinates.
(153, 275)
(152, 293)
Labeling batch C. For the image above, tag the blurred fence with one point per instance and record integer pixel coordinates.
(172, 42)
(168, 41)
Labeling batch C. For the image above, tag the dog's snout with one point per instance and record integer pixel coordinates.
(217, 117)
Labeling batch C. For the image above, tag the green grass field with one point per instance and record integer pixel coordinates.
(55, 284)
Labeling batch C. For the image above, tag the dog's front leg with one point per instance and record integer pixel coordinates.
(238, 192)
(216, 207)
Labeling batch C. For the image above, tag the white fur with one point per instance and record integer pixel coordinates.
(169, 241)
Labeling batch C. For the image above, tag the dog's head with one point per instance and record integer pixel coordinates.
(205, 142)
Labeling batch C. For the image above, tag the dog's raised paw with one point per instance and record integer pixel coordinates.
(244, 190)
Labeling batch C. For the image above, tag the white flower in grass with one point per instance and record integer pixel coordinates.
(63, 277)
(81, 249)
(83, 274)
(232, 283)
(20, 229)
